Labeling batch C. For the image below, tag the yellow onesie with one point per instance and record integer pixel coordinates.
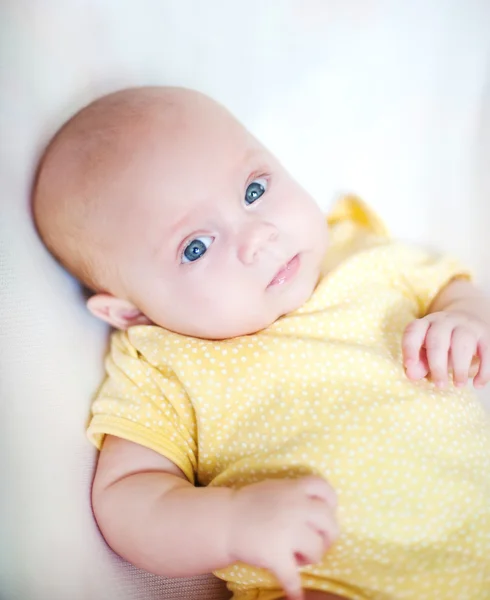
(323, 391)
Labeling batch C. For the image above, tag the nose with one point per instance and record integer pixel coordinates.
(255, 239)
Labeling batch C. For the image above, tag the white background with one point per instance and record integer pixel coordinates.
(387, 99)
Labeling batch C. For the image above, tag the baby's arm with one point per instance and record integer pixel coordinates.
(152, 516)
(455, 334)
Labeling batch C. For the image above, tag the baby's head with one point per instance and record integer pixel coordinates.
(165, 206)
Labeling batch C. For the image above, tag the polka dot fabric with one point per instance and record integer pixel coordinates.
(323, 391)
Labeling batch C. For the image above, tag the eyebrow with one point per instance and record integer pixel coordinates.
(254, 154)
(172, 231)
(178, 225)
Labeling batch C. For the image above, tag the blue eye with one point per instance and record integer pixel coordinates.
(195, 249)
(255, 190)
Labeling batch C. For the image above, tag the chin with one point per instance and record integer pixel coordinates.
(298, 303)
(300, 296)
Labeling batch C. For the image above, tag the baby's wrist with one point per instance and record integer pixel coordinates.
(230, 520)
(217, 507)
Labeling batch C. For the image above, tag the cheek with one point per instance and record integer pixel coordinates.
(228, 310)
(215, 292)
(302, 214)
(295, 199)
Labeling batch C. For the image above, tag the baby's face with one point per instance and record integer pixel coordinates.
(215, 239)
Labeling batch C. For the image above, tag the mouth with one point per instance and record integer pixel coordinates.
(286, 272)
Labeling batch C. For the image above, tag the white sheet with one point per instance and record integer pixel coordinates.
(388, 99)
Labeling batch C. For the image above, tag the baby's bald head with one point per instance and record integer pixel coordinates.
(83, 176)
(161, 202)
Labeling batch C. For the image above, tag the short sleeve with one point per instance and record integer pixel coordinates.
(425, 273)
(353, 227)
(144, 405)
(353, 216)
(419, 272)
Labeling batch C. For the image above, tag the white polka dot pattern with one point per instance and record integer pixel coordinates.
(323, 391)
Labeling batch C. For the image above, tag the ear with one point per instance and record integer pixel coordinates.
(121, 314)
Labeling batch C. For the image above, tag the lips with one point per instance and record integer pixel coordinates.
(286, 272)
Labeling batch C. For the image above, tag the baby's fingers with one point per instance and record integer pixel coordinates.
(286, 572)
(437, 344)
(317, 487)
(310, 547)
(412, 348)
(474, 367)
(483, 375)
(324, 522)
(463, 348)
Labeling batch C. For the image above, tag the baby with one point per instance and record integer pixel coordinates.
(264, 357)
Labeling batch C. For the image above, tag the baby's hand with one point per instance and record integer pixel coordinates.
(444, 341)
(280, 525)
